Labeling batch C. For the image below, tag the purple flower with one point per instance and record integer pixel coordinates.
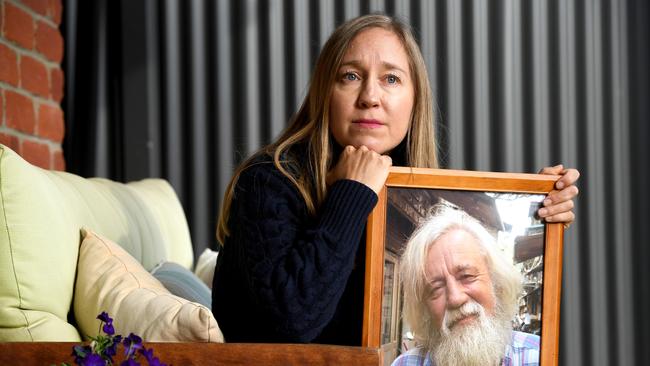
(105, 348)
(79, 353)
(108, 329)
(93, 360)
(112, 349)
(130, 362)
(147, 353)
(133, 339)
(131, 344)
(108, 326)
(105, 318)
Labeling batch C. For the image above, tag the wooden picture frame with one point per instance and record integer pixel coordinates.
(458, 183)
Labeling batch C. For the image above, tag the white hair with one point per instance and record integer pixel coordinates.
(477, 344)
(506, 279)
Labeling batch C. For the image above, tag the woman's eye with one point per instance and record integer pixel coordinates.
(392, 79)
(350, 76)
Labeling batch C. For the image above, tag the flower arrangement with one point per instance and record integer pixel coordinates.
(103, 348)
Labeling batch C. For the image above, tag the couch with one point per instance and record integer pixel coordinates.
(48, 285)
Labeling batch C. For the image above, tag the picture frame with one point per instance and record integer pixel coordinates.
(475, 190)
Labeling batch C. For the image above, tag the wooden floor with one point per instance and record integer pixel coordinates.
(178, 354)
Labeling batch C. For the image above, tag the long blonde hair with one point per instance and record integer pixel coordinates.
(310, 126)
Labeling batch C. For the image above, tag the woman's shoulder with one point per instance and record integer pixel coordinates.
(261, 166)
(261, 174)
(264, 165)
(261, 186)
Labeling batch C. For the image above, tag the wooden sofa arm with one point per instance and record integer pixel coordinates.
(54, 353)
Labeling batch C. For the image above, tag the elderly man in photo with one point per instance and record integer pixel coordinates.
(460, 295)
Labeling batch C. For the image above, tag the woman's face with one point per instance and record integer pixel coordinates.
(373, 96)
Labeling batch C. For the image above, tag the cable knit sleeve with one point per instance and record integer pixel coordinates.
(298, 266)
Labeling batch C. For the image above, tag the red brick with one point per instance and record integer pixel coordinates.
(2, 106)
(34, 76)
(36, 153)
(56, 84)
(39, 6)
(19, 113)
(49, 41)
(58, 162)
(8, 65)
(50, 123)
(18, 26)
(10, 141)
(55, 10)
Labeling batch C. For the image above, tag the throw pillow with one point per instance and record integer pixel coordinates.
(111, 280)
(205, 266)
(180, 281)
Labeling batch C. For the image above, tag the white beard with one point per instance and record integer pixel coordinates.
(482, 342)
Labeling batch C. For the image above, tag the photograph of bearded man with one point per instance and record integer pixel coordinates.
(460, 296)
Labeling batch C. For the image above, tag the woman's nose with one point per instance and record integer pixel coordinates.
(369, 95)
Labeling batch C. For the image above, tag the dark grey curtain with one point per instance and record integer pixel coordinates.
(184, 90)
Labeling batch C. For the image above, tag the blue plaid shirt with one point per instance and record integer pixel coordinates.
(523, 350)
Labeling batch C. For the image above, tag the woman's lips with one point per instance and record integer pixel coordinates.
(368, 123)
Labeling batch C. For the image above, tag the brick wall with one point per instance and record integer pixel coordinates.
(31, 80)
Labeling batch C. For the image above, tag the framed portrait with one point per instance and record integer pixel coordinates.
(505, 205)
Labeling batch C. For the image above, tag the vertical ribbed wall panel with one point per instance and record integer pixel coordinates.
(455, 116)
(620, 196)
(480, 88)
(277, 74)
(222, 79)
(574, 343)
(197, 120)
(518, 84)
(171, 109)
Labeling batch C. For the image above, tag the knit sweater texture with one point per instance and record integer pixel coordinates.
(285, 276)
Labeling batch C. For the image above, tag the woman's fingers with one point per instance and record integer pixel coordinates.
(552, 170)
(565, 194)
(558, 204)
(557, 209)
(569, 178)
(566, 217)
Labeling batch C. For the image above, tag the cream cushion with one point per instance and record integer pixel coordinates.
(111, 280)
(205, 266)
(41, 214)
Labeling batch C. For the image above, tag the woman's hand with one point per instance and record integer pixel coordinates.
(363, 165)
(558, 204)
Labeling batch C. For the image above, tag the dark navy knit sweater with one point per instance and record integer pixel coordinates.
(283, 276)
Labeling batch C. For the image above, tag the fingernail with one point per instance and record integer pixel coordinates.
(547, 202)
(560, 185)
(543, 212)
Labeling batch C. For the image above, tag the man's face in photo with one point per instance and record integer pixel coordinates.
(468, 327)
(458, 275)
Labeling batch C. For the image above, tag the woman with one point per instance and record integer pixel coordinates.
(293, 217)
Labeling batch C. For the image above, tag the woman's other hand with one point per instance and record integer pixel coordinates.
(363, 165)
(558, 204)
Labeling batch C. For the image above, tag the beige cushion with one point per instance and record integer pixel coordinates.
(205, 266)
(41, 214)
(111, 280)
